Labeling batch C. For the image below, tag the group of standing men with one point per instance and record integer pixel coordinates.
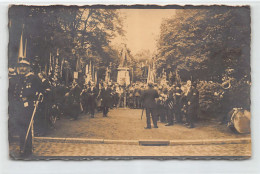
(94, 96)
(171, 105)
(26, 90)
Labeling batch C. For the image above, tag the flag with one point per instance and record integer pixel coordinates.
(78, 65)
(86, 71)
(20, 53)
(149, 75)
(50, 65)
(96, 77)
(90, 71)
(178, 79)
(93, 74)
(24, 54)
(61, 67)
(45, 69)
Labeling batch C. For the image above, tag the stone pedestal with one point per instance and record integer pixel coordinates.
(123, 76)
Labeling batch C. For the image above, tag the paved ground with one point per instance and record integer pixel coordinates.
(126, 124)
(73, 149)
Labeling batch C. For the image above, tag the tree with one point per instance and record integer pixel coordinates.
(205, 42)
(75, 31)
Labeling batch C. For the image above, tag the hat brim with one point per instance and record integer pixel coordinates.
(23, 63)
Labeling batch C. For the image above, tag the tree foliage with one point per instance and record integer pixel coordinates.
(203, 43)
(83, 32)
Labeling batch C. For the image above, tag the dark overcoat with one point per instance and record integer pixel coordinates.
(148, 98)
(106, 97)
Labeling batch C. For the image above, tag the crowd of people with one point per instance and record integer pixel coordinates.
(174, 104)
(52, 100)
(171, 104)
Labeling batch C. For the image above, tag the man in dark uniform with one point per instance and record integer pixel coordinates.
(105, 95)
(192, 97)
(149, 104)
(92, 93)
(27, 91)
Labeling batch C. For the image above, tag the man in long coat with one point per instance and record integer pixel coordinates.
(105, 95)
(92, 93)
(149, 104)
(193, 104)
(75, 101)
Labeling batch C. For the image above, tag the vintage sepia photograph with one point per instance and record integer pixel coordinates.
(129, 82)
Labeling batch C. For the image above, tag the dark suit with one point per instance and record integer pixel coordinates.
(75, 101)
(106, 100)
(178, 105)
(193, 99)
(149, 104)
(92, 93)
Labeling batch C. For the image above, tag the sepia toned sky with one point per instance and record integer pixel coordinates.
(142, 27)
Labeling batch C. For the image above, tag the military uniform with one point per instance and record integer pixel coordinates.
(26, 92)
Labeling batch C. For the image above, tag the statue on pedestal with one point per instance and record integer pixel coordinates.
(123, 77)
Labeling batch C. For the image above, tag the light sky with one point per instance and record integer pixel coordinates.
(142, 27)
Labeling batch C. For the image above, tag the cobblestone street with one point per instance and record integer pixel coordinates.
(125, 124)
(74, 149)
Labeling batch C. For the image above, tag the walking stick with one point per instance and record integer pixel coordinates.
(30, 125)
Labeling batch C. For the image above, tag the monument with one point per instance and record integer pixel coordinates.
(123, 76)
(151, 73)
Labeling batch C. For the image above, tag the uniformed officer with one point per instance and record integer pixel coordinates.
(26, 95)
(149, 104)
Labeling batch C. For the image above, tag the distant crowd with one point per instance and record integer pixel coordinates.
(175, 103)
